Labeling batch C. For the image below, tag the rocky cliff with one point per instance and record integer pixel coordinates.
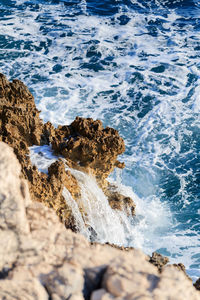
(85, 144)
(40, 259)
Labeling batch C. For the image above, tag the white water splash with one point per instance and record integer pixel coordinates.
(103, 223)
(76, 213)
(42, 157)
(96, 220)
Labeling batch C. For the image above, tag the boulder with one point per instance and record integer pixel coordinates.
(89, 146)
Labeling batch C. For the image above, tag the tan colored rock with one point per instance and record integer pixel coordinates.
(136, 279)
(21, 285)
(87, 144)
(9, 249)
(13, 192)
(123, 276)
(65, 281)
(173, 285)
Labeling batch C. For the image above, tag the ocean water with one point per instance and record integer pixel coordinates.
(135, 65)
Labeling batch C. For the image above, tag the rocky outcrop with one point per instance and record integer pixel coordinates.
(119, 201)
(85, 144)
(40, 259)
(158, 260)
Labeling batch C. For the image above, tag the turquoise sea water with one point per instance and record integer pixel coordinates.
(136, 66)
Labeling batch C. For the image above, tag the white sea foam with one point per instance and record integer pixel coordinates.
(42, 157)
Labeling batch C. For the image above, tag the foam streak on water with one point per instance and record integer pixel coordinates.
(135, 65)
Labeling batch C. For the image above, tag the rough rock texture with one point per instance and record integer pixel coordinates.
(158, 260)
(21, 127)
(41, 260)
(119, 201)
(85, 144)
(181, 268)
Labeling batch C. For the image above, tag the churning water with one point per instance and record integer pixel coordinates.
(135, 65)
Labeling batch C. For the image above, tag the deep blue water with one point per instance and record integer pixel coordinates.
(136, 66)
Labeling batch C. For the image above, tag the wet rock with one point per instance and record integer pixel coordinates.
(158, 260)
(119, 201)
(120, 247)
(86, 144)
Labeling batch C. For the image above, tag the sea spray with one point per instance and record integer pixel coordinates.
(42, 157)
(152, 221)
(79, 222)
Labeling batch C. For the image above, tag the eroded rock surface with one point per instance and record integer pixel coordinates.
(158, 260)
(85, 144)
(42, 260)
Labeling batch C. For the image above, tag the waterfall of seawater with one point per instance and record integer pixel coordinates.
(94, 216)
